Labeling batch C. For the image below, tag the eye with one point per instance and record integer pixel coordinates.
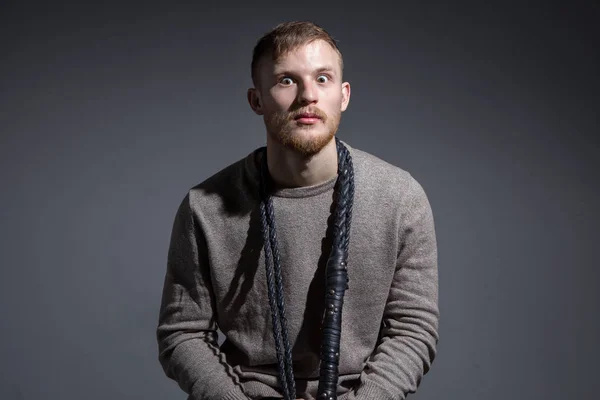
(323, 78)
(286, 81)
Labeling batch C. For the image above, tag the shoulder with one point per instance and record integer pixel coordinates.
(386, 192)
(380, 176)
(230, 190)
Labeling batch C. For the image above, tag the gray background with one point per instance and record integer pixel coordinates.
(109, 113)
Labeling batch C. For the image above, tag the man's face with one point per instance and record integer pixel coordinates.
(301, 96)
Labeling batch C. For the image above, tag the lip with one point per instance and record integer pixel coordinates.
(308, 118)
(304, 120)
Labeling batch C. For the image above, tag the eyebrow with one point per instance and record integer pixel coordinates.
(318, 70)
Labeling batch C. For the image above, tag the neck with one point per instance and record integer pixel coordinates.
(290, 169)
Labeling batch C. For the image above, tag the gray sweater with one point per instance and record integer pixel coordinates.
(215, 279)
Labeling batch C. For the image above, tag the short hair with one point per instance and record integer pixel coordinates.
(286, 37)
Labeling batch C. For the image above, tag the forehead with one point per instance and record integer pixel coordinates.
(305, 58)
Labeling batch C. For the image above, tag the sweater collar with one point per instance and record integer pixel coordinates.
(251, 167)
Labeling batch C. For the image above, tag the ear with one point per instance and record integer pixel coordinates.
(345, 96)
(255, 101)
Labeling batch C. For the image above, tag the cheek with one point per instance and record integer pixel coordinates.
(334, 101)
(282, 99)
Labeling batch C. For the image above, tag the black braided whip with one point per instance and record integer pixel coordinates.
(276, 301)
(336, 277)
(336, 280)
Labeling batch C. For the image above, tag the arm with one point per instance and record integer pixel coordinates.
(186, 333)
(409, 333)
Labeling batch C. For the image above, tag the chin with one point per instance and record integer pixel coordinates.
(306, 141)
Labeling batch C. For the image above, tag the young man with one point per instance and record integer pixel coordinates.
(316, 260)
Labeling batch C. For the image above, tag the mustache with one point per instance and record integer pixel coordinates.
(314, 110)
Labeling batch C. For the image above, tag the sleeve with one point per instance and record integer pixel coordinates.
(186, 332)
(409, 333)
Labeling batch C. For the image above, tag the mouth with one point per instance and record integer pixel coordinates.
(307, 118)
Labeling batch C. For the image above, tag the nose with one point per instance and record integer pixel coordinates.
(307, 93)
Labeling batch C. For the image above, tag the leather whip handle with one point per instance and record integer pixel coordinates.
(336, 285)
